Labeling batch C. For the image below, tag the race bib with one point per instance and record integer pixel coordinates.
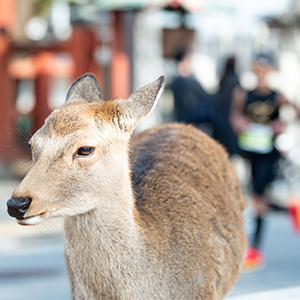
(258, 138)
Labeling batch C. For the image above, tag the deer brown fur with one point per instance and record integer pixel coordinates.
(155, 216)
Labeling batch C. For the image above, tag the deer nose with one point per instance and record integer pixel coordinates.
(17, 208)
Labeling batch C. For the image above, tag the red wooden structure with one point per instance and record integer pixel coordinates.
(42, 68)
(41, 64)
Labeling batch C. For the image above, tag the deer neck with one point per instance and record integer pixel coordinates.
(112, 238)
(115, 213)
(112, 221)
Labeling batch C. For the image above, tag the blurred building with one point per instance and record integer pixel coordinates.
(45, 45)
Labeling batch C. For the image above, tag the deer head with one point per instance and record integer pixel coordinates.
(80, 155)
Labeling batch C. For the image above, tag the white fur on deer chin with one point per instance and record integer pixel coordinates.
(31, 221)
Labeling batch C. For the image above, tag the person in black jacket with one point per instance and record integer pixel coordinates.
(222, 107)
(191, 102)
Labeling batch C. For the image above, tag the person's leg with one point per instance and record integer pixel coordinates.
(260, 208)
(260, 168)
(254, 257)
(263, 172)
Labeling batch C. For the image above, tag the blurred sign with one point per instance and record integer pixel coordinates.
(175, 40)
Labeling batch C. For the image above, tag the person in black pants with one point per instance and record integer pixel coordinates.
(255, 119)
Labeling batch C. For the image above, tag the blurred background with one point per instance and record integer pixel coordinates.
(46, 44)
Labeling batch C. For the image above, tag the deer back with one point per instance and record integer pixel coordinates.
(191, 203)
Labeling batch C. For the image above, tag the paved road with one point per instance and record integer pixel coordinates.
(32, 264)
(34, 273)
(282, 271)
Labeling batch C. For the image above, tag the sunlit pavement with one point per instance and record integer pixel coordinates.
(280, 279)
(32, 265)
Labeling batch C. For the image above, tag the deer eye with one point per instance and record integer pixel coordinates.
(85, 151)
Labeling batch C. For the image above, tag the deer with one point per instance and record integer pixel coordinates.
(150, 215)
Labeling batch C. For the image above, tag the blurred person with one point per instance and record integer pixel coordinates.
(192, 104)
(255, 119)
(222, 106)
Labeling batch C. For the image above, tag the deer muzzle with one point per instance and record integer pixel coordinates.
(17, 208)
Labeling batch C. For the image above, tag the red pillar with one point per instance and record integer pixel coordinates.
(44, 63)
(82, 48)
(120, 67)
(7, 110)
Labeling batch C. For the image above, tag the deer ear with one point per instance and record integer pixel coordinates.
(85, 88)
(140, 103)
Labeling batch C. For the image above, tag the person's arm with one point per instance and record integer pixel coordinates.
(238, 120)
(282, 100)
(277, 124)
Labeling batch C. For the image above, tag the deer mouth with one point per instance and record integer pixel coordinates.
(32, 220)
